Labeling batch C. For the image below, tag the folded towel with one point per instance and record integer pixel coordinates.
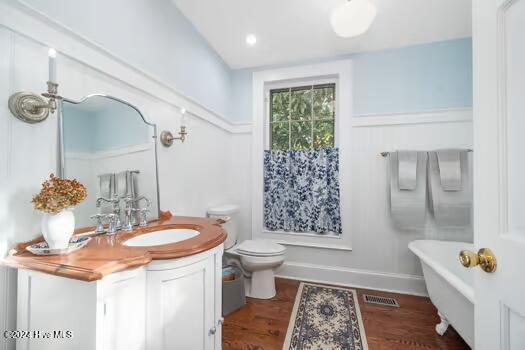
(122, 184)
(107, 185)
(408, 208)
(133, 187)
(449, 165)
(407, 170)
(451, 209)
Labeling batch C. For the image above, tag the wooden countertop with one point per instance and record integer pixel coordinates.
(106, 254)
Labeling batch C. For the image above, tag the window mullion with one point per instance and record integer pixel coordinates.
(290, 119)
(312, 119)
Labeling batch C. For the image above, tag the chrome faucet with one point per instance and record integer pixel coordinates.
(128, 220)
(114, 201)
(114, 221)
(100, 225)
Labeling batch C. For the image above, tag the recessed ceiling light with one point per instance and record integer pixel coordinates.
(251, 39)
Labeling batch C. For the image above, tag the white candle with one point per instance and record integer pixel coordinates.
(52, 65)
(183, 116)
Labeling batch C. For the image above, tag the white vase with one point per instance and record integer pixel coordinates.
(57, 229)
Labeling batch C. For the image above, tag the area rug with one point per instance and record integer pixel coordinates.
(325, 317)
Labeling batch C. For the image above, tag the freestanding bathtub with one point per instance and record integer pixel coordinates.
(450, 285)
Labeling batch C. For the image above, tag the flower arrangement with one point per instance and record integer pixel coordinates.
(58, 194)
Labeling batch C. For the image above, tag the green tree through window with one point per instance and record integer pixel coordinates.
(302, 117)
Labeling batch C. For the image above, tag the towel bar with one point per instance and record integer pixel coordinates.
(384, 154)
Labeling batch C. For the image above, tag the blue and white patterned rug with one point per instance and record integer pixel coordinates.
(325, 317)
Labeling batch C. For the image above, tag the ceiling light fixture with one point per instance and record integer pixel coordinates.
(251, 39)
(353, 18)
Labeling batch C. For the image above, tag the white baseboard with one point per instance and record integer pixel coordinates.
(341, 276)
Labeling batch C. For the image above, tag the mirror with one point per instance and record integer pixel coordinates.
(109, 147)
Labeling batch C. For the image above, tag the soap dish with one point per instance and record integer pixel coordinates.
(75, 243)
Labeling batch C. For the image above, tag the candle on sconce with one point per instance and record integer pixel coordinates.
(52, 65)
(183, 117)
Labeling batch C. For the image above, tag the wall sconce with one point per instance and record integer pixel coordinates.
(32, 108)
(167, 138)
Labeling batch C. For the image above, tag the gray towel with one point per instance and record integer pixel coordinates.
(449, 165)
(122, 184)
(107, 185)
(407, 170)
(408, 208)
(451, 209)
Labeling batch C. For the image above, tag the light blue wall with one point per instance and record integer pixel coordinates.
(79, 128)
(112, 126)
(120, 127)
(414, 79)
(154, 36)
(411, 79)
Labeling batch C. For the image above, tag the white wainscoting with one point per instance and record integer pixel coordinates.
(379, 258)
(192, 176)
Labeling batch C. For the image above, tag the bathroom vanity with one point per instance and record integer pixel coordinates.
(114, 296)
(145, 279)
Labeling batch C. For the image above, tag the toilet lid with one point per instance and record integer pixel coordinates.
(260, 248)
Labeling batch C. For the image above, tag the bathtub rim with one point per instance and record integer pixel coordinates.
(463, 287)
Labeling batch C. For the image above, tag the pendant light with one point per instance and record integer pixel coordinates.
(353, 18)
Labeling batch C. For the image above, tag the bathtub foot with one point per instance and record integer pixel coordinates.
(441, 328)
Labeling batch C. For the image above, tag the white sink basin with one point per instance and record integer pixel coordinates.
(161, 237)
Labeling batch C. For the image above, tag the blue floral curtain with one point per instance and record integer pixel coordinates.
(301, 190)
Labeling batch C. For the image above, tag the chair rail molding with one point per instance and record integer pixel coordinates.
(445, 115)
(21, 18)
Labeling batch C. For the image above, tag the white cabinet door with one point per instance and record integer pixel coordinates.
(499, 170)
(122, 312)
(181, 311)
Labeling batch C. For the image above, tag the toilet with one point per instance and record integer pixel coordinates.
(256, 258)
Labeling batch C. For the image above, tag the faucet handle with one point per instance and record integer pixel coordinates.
(144, 217)
(113, 223)
(100, 225)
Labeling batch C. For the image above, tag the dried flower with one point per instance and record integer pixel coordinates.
(58, 194)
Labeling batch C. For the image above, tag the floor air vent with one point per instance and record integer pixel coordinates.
(374, 299)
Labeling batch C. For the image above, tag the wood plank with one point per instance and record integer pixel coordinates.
(262, 324)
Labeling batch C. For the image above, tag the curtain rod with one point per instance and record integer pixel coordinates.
(384, 154)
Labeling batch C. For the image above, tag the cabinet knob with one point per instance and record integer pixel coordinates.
(213, 331)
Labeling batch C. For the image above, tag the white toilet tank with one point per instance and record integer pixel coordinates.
(229, 213)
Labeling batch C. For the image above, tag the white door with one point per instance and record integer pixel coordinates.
(181, 313)
(499, 171)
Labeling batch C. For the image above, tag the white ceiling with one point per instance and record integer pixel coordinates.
(297, 30)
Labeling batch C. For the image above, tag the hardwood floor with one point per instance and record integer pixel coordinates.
(262, 324)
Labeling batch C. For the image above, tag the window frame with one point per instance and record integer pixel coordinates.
(339, 71)
(292, 85)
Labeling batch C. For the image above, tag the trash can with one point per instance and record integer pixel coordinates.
(233, 296)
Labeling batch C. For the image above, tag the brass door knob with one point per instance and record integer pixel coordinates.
(484, 258)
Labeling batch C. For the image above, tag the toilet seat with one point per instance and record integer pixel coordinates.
(260, 248)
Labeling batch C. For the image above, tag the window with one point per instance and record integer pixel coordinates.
(302, 117)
